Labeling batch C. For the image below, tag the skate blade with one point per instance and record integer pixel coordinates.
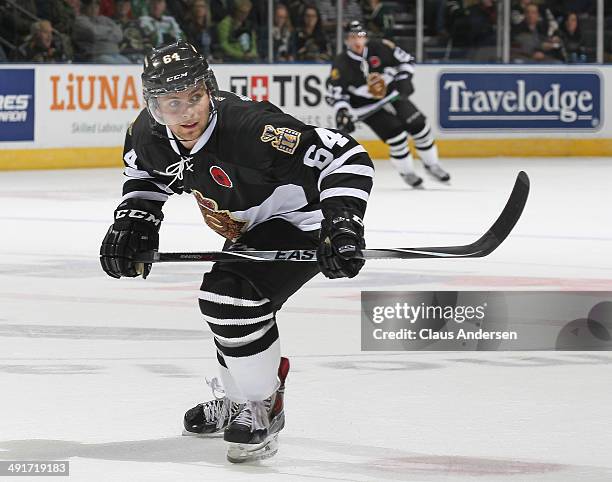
(433, 176)
(187, 433)
(240, 453)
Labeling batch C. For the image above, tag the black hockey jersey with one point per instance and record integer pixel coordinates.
(253, 163)
(348, 82)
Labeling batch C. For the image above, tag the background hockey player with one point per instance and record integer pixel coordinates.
(363, 78)
(263, 180)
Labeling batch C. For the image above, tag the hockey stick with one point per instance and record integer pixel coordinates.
(479, 248)
(387, 100)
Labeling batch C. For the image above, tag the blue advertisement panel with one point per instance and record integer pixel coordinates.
(16, 105)
(520, 100)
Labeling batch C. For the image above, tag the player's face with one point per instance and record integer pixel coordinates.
(356, 42)
(186, 112)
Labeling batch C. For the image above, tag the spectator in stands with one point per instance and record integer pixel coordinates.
(61, 14)
(219, 9)
(140, 8)
(572, 39)
(548, 22)
(296, 10)
(96, 37)
(162, 28)
(480, 23)
(283, 35)
(532, 43)
(311, 42)
(259, 19)
(107, 8)
(329, 14)
(180, 10)
(380, 20)
(198, 26)
(135, 41)
(237, 37)
(14, 22)
(41, 45)
(581, 8)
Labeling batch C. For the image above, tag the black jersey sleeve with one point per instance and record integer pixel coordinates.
(334, 164)
(337, 87)
(140, 182)
(403, 63)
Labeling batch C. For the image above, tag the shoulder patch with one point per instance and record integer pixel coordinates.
(283, 139)
(388, 43)
(335, 74)
(130, 127)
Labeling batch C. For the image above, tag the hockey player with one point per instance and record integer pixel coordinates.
(262, 180)
(363, 79)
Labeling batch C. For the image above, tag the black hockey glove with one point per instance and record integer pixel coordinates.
(344, 121)
(135, 230)
(341, 241)
(404, 86)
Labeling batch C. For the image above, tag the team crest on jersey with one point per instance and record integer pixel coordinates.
(220, 176)
(220, 221)
(374, 61)
(283, 139)
(335, 74)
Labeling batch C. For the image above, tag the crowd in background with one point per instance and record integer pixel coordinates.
(548, 31)
(121, 31)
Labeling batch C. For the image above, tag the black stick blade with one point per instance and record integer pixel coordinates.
(485, 245)
(506, 221)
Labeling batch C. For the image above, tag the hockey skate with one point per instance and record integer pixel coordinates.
(437, 172)
(411, 178)
(253, 434)
(210, 418)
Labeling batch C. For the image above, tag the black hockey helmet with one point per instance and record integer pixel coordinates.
(174, 67)
(355, 27)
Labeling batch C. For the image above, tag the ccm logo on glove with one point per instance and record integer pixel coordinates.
(137, 214)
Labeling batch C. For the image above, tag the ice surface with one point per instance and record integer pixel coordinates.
(100, 371)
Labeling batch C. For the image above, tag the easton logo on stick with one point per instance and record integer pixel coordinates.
(305, 255)
(220, 176)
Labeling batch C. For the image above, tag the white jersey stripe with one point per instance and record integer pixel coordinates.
(150, 195)
(244, 340)
(358, 169)
(336, 163)
(237, 321)
(284, 199)
(344, 191)
(400, 137)
(136, 173)
(228, 300)
(305, 221)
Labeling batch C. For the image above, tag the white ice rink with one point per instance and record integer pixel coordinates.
(100, 371)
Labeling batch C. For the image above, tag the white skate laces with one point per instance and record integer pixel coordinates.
(221, 407)
(216, 387)
(255, 415)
